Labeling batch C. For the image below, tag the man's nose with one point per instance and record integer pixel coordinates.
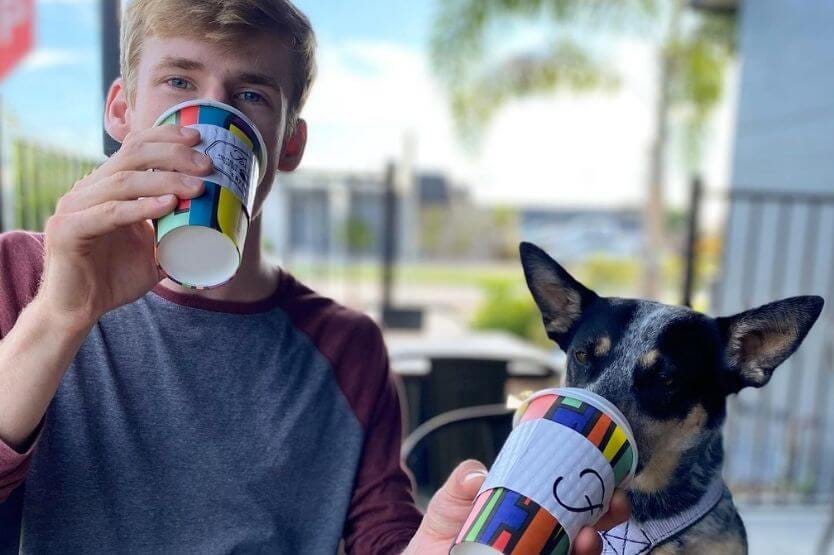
(218, 93)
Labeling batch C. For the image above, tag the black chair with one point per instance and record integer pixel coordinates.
(441, 374)
(451, 384)
(437, 446)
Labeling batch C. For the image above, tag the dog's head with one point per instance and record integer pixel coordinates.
(669, 369)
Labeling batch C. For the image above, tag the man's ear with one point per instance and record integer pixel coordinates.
(293, 149)
(561, 299)
(116, 115)
(759, 340)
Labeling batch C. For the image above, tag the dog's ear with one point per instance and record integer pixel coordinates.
(759, 340)
(561, 299)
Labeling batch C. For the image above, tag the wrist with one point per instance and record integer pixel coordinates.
(60, 320)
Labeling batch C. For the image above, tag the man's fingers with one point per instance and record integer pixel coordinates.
(465, 481)
(618, 512)
(163, 156)
(109, 216)
(451, 504)
(165, 134)
(131, 186)
(165, 147)
(587, 542)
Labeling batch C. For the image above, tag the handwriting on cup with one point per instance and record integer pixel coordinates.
(231, 161)
(591, 483)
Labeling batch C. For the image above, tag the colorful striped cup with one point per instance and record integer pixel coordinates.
(568, 450)
(200, 244)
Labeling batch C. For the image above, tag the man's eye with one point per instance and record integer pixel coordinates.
(581, 357)
(178, 83)
(251, 96)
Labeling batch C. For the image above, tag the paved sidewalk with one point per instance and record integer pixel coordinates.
(793, 530)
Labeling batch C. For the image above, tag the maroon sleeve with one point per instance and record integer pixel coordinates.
(21, 265)
(382, 516)
(15, 465)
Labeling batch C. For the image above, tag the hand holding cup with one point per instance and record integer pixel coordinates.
(99, 242)
(555, 475)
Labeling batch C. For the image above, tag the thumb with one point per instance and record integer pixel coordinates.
(450, 506)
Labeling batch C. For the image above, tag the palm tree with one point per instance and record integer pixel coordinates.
(692, 51)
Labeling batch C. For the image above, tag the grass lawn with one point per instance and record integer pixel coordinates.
(477, 275)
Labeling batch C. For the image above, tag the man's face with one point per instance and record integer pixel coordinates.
(254, 77)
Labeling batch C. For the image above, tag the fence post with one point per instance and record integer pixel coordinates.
(389, 238)
(18, 194)
(696, 193)
(110, 23)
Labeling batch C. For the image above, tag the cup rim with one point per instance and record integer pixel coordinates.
(232, 109)
(595, 399)
(199, 286)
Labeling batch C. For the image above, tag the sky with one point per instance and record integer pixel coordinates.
(375, 88)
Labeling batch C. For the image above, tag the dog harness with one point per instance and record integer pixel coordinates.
(638, 538)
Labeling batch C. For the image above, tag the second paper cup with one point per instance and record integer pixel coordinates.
(200, 244)
(568, 451)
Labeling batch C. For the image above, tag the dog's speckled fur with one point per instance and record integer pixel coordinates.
(669, 370)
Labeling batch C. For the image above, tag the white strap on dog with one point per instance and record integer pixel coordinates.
(638, 538)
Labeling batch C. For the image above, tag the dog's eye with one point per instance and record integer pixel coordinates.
(581, 357)
(667, 380)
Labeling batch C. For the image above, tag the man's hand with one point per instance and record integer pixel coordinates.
(99, 256)
(99, 242)
(450, 506)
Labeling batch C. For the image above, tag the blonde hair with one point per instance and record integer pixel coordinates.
(222, 22)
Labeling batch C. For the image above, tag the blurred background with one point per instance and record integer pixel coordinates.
(672, 149)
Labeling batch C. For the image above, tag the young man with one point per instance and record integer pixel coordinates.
(138, 416)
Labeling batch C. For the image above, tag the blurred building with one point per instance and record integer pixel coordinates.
(576, 234)
(780, 238)
(313, 215)
(328, 215)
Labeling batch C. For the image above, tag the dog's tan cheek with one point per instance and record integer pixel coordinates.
(672, 438)
(728, 547)
(725, 547)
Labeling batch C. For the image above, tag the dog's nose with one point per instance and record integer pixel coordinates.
(612, 390)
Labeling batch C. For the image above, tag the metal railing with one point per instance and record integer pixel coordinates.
(777, 244)
(40, 176)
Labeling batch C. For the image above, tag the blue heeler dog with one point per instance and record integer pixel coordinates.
(669, 369)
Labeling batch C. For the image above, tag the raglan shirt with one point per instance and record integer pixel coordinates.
(191, 425)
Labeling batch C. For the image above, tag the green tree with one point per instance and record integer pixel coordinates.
(358, 235)
(432, 224)
(692, 51)
(508, 307)
(504, 226)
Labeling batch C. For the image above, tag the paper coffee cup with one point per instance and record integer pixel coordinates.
(200, 244)
(556, 473)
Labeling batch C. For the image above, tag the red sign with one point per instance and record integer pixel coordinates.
(16, 35)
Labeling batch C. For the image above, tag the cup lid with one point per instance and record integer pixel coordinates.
(597, 401)
(208, 102)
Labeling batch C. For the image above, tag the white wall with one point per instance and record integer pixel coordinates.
(775, 249)
(785, 119)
